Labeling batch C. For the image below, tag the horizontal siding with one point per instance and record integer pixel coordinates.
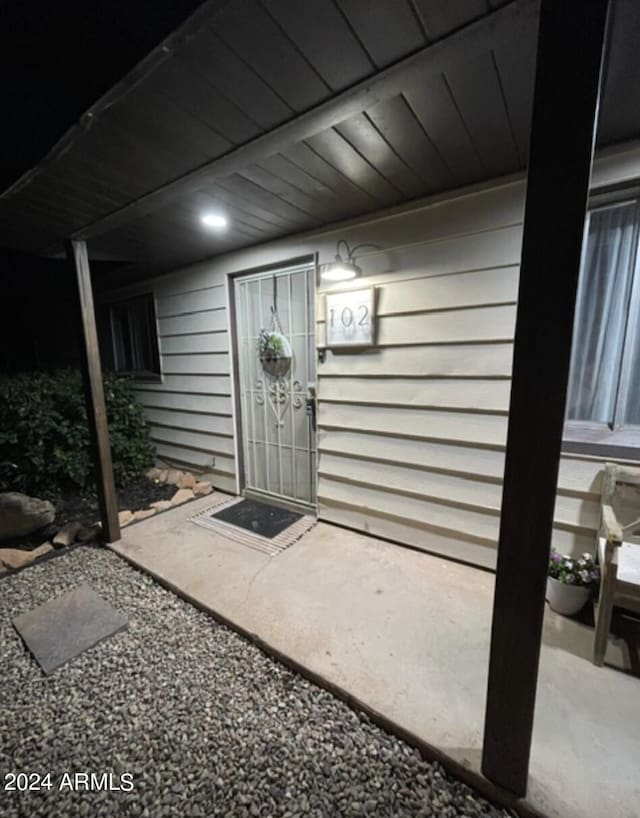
(216, 363)
(193, 322)
(195, 421)
(412, 432)
(484, 210)
(203, 342)
(450, 544)
(191, 410)
(207, 404)
(206, 462)
(192, 384)
(580, 476)
(449, 292)
(185, 303)
(426, 424)
(452, 361)
(485, 395)
(458, 326)
(201, 276)
(223, 471)
(450, 327)
(391, 527)
(473, 494)
(423, 258)
(430, 515)
(209, 443)
(434, 455)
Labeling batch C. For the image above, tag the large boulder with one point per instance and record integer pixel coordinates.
(21, 515)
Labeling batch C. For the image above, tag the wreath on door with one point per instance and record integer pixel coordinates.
(274, 348)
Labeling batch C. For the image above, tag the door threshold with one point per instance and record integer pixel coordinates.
(281, 502)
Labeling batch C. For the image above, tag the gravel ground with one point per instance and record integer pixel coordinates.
(205, 723)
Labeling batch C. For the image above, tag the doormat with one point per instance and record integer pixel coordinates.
(259, 518)
(68, 625)
(265, 528)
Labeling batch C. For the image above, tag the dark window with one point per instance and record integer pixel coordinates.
(135, 340)
(603, 405)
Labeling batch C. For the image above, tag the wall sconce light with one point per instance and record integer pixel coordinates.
(343, 268)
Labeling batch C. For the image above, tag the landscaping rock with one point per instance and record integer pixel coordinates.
(125, 517)
(161, 505)
(21, 515)
(202, 489)
(187, 481)
(207, 723)
(17, 557)
(181, 496)
(155, 473)
(162, 477)
(89, 532)
(174, 476)
(66, 535)
(143, 513)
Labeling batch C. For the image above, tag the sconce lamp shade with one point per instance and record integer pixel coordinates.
(341, 268)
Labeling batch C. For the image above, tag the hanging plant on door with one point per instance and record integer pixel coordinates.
(274, 349)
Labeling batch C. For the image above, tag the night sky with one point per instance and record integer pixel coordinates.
(58, 57)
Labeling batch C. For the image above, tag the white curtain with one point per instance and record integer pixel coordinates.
(631, 394)
(602, 311)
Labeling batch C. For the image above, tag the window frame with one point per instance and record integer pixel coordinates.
(601, 439)
(142, 375)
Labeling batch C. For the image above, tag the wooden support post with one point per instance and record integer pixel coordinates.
(570, 46)
(94, 393)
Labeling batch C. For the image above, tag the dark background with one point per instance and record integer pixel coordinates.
(57, 58)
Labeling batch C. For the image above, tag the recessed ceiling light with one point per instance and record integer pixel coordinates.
(214, 220)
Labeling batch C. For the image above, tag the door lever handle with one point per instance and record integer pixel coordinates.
(311, 406)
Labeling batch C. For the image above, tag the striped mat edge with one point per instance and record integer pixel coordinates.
(265, 545)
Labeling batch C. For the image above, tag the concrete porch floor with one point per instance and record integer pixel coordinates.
(407, 634)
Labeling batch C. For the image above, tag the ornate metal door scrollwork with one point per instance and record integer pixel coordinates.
(276, 356)
(275, 326)
(279, 393)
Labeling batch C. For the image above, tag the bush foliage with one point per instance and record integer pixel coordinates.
(44, 436)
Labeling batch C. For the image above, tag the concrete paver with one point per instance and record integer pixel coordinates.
(408, 634)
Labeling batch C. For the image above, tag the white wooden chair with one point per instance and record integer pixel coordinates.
(618, 550)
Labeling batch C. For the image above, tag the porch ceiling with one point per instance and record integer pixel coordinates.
(288, 116)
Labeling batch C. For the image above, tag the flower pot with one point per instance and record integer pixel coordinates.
(566, 599)
(275, 365)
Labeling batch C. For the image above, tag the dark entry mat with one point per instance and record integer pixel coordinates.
(66, 626)
(260, 518)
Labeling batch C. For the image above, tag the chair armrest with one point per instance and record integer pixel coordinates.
(610, 525)
(631, 526)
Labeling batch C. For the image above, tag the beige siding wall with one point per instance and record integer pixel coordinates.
(191, 411)
(412, 432)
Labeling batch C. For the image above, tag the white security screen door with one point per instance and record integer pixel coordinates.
(275, 325)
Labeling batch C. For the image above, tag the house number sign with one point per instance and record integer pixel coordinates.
(350, 318)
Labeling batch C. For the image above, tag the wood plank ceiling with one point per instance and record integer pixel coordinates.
(241, 69)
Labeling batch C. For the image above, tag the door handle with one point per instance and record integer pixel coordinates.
(311, 406)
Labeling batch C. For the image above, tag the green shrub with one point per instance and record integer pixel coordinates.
(44, 436)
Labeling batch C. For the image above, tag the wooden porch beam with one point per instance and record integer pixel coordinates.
(94, 394)
(570, 48)
(508, 21)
